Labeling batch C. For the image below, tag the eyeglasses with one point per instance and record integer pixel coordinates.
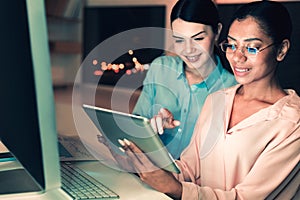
(247, 51)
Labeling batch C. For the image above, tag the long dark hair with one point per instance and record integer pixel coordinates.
(272, 17)
(197, 11)
(202, 12)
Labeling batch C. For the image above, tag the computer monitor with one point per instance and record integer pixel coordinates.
(28, 126)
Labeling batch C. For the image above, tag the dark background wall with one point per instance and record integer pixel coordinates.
(289, 69)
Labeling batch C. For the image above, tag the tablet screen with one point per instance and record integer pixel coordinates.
(116, 125)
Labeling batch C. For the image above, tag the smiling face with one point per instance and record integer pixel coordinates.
(193, 42)
(251, 68)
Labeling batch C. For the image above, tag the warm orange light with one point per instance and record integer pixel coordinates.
(128, 72)
(146, 66)
(138, 67)
(114, 67)
(98, 73)
(95, 62)
(121, 66)
(104, 67)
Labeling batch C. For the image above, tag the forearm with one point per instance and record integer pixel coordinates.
(168, 184)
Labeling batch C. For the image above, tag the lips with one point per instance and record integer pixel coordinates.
(241, 70)
(192, 58)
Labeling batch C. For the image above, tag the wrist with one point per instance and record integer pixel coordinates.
(176, 192)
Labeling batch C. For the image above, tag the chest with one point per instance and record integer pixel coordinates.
(245, 143)
(242, 109)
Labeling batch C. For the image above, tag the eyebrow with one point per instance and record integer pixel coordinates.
(191, 36)
(246, 40)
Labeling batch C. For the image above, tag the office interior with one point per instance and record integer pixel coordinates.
(67, 37)
(69, 31)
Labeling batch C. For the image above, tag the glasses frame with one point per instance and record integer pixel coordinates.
(257, 51)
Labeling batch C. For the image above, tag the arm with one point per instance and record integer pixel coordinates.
(145, 105)
(270, 169)
(258, 183)
(146, 99)
(272, 165)
(279, 154)
(159, 179)
(257, 176)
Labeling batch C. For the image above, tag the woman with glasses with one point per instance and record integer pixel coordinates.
(181, 83)
(246, 140)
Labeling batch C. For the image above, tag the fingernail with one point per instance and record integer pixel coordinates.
(122, 149)
(121, 142)
(160, 131)
(176, 123)
(100, 139)
(126, 141)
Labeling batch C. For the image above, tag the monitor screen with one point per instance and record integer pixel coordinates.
(28, 127)
(101, 23)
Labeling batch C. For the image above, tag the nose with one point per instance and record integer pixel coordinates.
(239, 56)
(189, 46)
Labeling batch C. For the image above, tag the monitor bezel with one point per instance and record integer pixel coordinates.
(44, 98)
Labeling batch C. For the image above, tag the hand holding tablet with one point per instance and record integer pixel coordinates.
(116, 126)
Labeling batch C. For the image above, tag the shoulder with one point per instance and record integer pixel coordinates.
(294, 98)
(291, 106)
(162, 66)
(223, 96)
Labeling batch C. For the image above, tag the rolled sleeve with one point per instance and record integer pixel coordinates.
(193, 191)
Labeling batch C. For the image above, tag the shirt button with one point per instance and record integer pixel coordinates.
(179, 130)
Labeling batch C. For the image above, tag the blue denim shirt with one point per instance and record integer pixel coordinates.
(166, 86)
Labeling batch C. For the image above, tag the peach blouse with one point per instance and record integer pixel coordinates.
(249, 160)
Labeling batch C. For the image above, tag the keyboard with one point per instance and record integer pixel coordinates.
(79, 185)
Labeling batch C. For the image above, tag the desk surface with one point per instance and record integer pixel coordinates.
(127, 186)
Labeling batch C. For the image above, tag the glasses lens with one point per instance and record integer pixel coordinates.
(228, 48)
(252, 50)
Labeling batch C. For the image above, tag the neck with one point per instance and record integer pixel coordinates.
(262, 92)
(201, 73)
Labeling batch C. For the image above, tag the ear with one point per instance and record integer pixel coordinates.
(219, 32)
(283, 50)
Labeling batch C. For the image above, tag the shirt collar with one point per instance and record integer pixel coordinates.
(214, 75)
(287, 108)
(179, 67)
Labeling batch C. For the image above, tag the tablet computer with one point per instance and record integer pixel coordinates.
(116, 125)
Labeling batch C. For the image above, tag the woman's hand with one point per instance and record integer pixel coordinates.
(155, 177)
(163, 119)
(122, 160)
